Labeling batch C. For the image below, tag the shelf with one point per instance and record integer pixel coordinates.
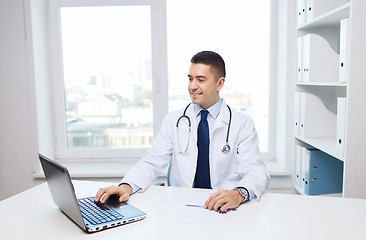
(328, 93)
(324, 84)
(336, 195)
(329, 19)
(327, 145)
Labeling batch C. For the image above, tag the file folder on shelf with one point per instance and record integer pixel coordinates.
(301, 12)
(341, 125)
(343, 50)
(300, 59)
(323, 173)
(297, 114)
(315, 119)
(320, 62)
(298, 175)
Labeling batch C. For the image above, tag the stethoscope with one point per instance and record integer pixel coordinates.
(225, 149)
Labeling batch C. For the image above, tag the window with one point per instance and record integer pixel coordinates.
(119, 66)
(102, 59)
(107, 75)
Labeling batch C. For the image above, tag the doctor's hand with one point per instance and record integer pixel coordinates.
(122, 191)
(224, 200)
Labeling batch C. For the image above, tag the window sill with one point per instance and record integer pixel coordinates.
(119, 169)
(275, 168)
(93, 169)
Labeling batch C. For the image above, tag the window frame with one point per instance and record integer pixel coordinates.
(159, 80)
(270, 155)
(159, 77)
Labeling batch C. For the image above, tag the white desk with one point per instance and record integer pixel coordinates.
(275, 216)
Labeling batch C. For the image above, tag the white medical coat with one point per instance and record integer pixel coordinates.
(241, 167)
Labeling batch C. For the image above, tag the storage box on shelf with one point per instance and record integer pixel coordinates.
(317, 172)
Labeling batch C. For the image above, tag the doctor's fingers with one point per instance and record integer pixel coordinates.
(126, 192)
(209, 202)
(216, 199)
(222, 205)
(103, 193)
(225, 205)
(226, 202)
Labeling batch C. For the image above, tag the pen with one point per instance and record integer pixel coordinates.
(196, 205)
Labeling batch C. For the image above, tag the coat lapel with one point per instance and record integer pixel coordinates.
(222, 119)
(192, 116)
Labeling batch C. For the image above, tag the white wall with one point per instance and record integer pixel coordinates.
(16, 145)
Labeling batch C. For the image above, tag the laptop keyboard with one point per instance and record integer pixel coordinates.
(96, 214)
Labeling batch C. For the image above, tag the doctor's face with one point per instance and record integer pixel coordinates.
(204, 86)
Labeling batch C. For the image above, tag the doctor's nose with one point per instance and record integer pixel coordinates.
(192, 85)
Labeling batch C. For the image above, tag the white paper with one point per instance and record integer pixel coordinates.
(191, 214)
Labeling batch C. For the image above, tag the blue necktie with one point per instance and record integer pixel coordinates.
(202, 177)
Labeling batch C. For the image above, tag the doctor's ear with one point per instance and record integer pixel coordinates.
(220, 83)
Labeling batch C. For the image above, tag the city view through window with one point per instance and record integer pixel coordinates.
(108, 75)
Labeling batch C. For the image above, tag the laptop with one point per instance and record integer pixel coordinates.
(88, 215)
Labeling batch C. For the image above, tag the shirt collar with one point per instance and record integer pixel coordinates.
(214, 110)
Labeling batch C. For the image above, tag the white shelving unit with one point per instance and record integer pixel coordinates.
(328, 102)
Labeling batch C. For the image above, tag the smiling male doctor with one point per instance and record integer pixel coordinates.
(239, 173)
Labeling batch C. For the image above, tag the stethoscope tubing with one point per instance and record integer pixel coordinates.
(226, 147)
(185, 116)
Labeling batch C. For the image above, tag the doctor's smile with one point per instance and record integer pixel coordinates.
(194, 94)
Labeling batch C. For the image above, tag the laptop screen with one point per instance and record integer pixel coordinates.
(62, 190)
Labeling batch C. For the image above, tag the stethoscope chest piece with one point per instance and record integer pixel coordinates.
(225, 148)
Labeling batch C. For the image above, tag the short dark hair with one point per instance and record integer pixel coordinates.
(213, 59)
